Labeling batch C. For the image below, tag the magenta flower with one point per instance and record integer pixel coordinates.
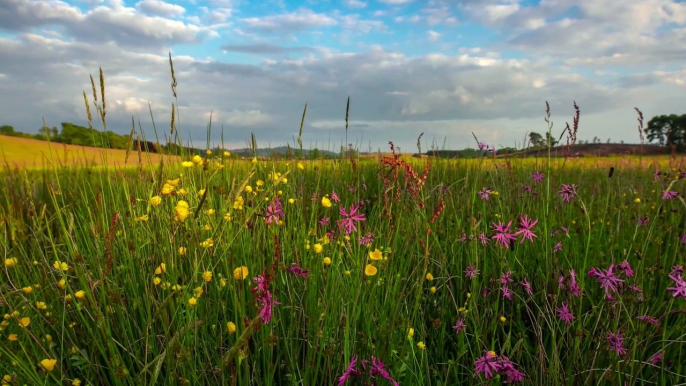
(349, 218)
(616, 343)
(679, 288)
(349, 372)
(537, 176)
(643, 221)
(527, 287)
(483, 146)
(274, 211)
(508, 369)
(647, 319)
(656, 175)
(484, 193)
(488, 365)
(573, 285)
(557, 247)
(334, 196)
(459, 325)
(483, 239)
(626, 268)
(379, 368)
(324, 221)
(296, 270)
(568, 192)
(463, 238)
(525, 225)
(656, 358)
(471, 272)
(564, 314)
(368, 239)
(506, 278)
(507, 294)
(683, 239)
(503, 235)
(669, 194)
(264, 296)
(607, 279)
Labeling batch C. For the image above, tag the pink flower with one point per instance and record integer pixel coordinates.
(459, 325)
(349, 372)
(679, 288)
(616, 343)
(471, 272)
(503, 235)
(527, 287)
(487, 365)
(525, 225)
(298, 271)
(334, 196)
(568, 192)
(607, 279)
(669, 194)
(537, 176)
(564, 314)
(274, 211)
(484, 193)
(349, 218)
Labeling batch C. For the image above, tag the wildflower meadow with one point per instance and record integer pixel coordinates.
(381, 269)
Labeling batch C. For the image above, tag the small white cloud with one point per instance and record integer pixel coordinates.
(355, 4)
(433, 35)
(396, 2)
(539, 83)
(160, 8)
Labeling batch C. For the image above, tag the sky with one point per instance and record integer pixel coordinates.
(447, 68)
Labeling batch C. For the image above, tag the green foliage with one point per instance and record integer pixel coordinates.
(668, 130)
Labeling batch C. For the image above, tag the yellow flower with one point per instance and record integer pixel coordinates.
(167, 189)
(11, 262)
(197, 292)
(227, 216)
(222, 282)
(155, 200)
(80, 294)
(376, 254)
(318, 248)
(238, 204)
(284, 180)
(227, 154)
(433, 290)
(218, 165)
(207, 243)
(326, 202)
(156, 280)
(207, 276)
(173, 182)
(41, 305)
(201, 192)
(12, 337)
(503, 319)
(161, 269)
(240, 273)
(637, 200)
(347, 273)
(196, 159)
(141, 218)
(260, 183)
(76, 382)
(254, 160)
(182, 251)
(181, 192)
(291, 200)
(208, 152)
(231, 326)
(62, 283)
(300, 166)
(327, 261)
(6, 379)
(24, 322)
(421, 345)
(370, 270)
(48, 364)
(210, 212)
(27, 290)
(410, 332)
(48, 338)
(181, 211)
(429, 276)
(248, 189)
(187, 164)
(192, 302)
(60, 265)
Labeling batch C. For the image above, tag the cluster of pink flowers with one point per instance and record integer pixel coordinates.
(376, 368)
(504, 237)
(490, 365)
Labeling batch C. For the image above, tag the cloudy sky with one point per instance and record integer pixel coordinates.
(443, 67)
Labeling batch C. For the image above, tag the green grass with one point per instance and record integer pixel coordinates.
(128, 330)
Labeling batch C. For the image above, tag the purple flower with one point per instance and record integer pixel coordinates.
(626, 268)
(568, 192)
(679, 285)
(484, 193)
(483, 238)
(274, 211)
(649, 320)
(488, 365)
(656, 358)
(471, 272)
(368, 239)
(656, 175)
(643, 221)
(503, 235)
(508, 369)
(564, 314)
(525, 225)
(298, 271)
(683, 239)
(669, 194)
(459, 325)
(616, 343)
(379, 368)
(314, 196)
(527, 287)
(527, 189)
(463, 238)
(607, 279)
(557, 247)
(483, 146)
(324, 221)
(334, 196)
(573, 285)
(506, 278)
(349, 218)
(507, 294)
(264, 296)
(537, 176)
(349, 372)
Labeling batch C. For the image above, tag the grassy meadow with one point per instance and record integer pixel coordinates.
(386, 270)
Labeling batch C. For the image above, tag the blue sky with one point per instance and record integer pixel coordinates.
(443, 67)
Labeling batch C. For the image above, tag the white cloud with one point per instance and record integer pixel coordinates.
(432, 35)
(160, 8)
(355, 4)
(299, 20)
(396, 2)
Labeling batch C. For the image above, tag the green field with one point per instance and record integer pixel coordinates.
(109, 279)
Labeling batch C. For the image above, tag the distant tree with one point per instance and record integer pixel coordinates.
(314, 154)
(7, 130)
(550, 140)
(536, 140)
(667, 129)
